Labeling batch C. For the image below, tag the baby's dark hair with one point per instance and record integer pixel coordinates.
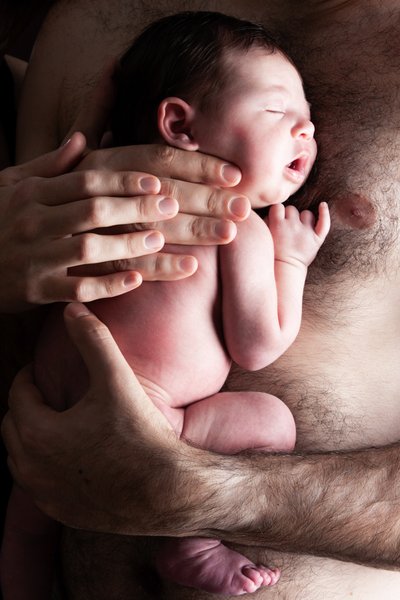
(180, 55)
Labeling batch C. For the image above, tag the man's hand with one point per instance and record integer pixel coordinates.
(111, 456)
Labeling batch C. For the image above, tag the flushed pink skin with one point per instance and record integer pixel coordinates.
(174, 334)
(263, 125)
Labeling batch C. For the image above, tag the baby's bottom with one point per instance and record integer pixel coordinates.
(227, 423)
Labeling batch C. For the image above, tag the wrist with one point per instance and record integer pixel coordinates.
(294, 262)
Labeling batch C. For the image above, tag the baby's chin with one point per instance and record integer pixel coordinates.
(263, 200)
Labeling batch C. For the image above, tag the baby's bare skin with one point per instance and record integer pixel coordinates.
(343, 367)
(188, 329)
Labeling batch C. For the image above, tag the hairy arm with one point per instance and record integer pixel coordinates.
(341, 505)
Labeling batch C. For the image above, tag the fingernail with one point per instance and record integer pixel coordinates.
(188, 264)
(153, 241)
(132, 280)
(231, 174)
(65, 143)
(240, 207)
(76, 310)
(224, 229)
(149, 184)
(168, 206)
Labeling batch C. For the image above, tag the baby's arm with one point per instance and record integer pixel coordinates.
(263, 273)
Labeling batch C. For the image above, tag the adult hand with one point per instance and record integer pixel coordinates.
(200, 183)
(46, 212)
(110, 461)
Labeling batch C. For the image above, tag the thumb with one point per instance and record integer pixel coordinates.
(108, 369)
(51, 164)
(111, 377)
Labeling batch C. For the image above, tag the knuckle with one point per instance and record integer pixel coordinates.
(97, 211)
(79, 291)
(126, 183)
(164, 155)
(143, 208)
(131, 245)
(86, 248)
(89, 182)
(27, 226)
(109, 287)
(121, 264)
(158, 264)
(205, 167)
(31, 438)
(170, 187)
(213, 201)
(196, 227)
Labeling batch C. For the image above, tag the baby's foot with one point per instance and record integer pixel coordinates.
(210, 566)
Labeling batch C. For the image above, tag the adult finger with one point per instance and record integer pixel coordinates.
(49, 165)
(192, 230)
(166, 161)
(160, 266)
(100, 212)
(108, 369)
(198, 199)
(89, 288)
(86, 184)
(91, 248)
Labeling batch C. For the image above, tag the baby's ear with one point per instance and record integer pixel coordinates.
(175, 120)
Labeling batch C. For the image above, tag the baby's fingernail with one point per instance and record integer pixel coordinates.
(150, 185)
(168, 206)
(231, 174)
(154, 241)
(239, 207)
(188, 264)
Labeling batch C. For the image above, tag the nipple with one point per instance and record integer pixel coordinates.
(355, 211)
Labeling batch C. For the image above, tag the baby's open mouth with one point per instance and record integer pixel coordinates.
(297, 169)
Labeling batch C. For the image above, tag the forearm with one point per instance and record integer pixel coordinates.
(340, 505)
(290, 279)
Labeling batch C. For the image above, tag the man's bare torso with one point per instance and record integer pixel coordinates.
(341, 377)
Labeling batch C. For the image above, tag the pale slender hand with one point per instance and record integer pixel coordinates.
(297, 236)
(46, 212)
(201, 184)
(208, 206)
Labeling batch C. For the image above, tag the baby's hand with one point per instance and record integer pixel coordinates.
(297, 236)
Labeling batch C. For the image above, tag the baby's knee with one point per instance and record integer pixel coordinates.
(275, 425)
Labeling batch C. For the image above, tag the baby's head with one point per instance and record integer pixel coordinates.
(205, 81)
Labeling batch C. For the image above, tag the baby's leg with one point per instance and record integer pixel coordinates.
(228, 423)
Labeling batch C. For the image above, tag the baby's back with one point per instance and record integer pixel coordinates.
(169, 332)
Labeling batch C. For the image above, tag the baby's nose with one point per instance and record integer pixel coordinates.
(304, 128)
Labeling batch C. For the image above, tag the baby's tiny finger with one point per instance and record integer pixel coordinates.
(307, 218)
